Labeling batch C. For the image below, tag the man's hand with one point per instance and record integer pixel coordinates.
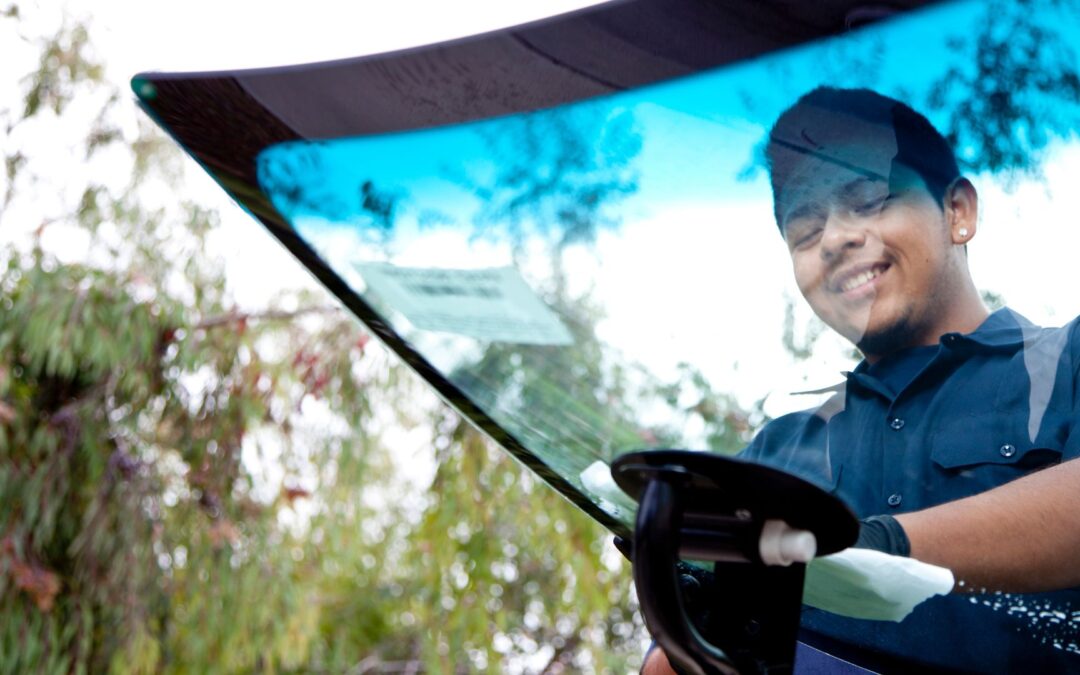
(656, 663)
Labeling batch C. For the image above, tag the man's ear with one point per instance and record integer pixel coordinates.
(961, 210)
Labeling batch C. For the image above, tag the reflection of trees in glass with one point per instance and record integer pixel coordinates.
(576, 404)
(569, 401)
(380, 205)
(1011, 86)
(1014, 86)
(994, 301)
(800, 346)
(299, 184)
(726, 425)
(557, 173)
(557, 176)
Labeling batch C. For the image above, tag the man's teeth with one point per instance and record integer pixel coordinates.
(859, 280)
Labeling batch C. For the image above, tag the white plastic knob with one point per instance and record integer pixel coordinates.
(782, 544)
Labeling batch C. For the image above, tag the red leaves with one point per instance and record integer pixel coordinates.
(37, 581)
(311, 375)
(223, 532)
(738, 421)
(305, 359)
(291, 494)
(317, 372)
(648, 435)
(317, 383)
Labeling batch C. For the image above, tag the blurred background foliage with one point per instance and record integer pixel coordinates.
(192, 485)
(187, 485)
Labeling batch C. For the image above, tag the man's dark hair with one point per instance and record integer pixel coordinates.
(919, 145)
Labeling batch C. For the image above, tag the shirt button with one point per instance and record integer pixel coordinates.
(1007, 450)
(895, 499)
(896, 423)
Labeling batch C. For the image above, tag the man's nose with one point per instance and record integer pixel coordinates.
(841, 233)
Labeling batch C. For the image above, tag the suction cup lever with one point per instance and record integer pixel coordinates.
(756, 526)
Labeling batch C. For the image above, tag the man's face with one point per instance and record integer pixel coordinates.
(871, 251)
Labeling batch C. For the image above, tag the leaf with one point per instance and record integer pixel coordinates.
(291, 494)
(41, 584)
(223, 532)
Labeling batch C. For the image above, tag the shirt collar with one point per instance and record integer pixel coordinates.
(1002, 329)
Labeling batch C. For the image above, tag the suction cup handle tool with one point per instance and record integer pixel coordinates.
(758, 527)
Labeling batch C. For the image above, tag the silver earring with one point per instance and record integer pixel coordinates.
(963, 232)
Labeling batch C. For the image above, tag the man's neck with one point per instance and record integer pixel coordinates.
(964, 318)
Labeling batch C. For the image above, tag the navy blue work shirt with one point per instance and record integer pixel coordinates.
(932, 426)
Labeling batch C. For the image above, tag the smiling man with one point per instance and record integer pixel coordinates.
(953, 439)
(871, 203)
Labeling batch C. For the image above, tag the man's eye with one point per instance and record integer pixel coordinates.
(873, 206)
(805, 236)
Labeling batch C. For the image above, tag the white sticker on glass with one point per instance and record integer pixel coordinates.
(492, 303)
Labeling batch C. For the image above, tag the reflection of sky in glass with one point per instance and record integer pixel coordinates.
(684, 266)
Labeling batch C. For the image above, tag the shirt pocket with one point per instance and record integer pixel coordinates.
(979, 452)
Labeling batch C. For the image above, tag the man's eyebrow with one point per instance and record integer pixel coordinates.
(851, 188)
(802, 211)
(841, 193)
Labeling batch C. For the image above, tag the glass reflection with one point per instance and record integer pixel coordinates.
(609, 276)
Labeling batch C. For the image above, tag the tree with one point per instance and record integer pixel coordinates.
(142, 411)
(558, 173)
(1014, 89)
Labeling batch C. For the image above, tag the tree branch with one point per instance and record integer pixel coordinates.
(269, 315)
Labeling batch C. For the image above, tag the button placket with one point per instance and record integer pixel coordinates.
(895, 446)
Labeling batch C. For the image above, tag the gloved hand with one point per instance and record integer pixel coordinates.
(885, 534)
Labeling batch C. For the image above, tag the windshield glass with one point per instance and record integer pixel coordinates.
(650, 270)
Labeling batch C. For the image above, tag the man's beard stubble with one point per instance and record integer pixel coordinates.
(892, 338)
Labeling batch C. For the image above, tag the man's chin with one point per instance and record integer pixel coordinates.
(884, 341)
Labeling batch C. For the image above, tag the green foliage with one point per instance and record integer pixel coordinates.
(993, 301)
(63, 63)
(187, 485)
(514, 571)
(728, 427)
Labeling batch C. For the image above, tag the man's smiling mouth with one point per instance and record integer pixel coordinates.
(853, 280)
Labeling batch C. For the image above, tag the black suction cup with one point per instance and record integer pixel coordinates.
(703, 507)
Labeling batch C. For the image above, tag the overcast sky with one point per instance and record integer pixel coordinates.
(203, 35)
(212, 35)
(215, 35)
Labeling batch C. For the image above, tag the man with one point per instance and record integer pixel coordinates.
(953, 439)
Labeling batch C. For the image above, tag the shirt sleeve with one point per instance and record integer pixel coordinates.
(1072, 442)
